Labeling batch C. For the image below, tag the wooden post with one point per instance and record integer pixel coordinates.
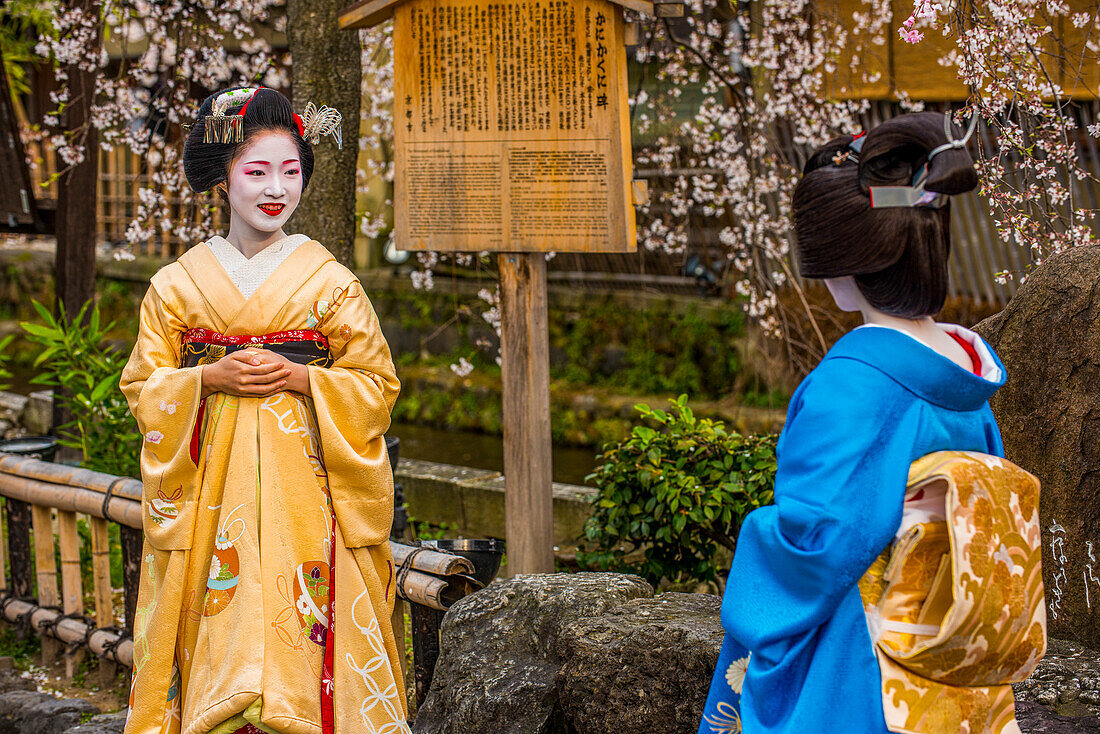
(525, 369)
(19, 546)
(425, 639)
(3, 577)
(397, 621)
(104, 606)
(132, 540)
(46, 569)
(72, 594)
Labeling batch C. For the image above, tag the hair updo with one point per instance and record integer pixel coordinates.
(207, 164)
(898, 255)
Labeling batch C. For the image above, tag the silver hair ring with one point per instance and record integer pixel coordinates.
(955, 143)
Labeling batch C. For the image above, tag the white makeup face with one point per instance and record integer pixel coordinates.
(265, 183)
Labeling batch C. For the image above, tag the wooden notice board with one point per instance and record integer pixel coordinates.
(511, 126)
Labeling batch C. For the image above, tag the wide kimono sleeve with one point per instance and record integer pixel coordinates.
(353, 399)
(843, 463)
(844, 458)
(164, 400)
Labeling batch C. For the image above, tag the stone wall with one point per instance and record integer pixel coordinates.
(473, 500)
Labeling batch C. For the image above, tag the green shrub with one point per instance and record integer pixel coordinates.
(673, 492)
(83, 369)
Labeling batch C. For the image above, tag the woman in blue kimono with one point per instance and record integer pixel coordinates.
(871, 218)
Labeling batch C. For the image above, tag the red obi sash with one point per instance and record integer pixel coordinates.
(203, 346)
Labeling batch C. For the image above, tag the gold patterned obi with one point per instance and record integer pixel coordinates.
(203, 346)
(955, 606)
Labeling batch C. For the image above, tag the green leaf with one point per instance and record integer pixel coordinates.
(38, 330)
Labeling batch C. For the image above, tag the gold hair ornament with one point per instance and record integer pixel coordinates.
(223, 128)
(322, 121)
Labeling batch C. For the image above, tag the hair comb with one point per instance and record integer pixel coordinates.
(223, 128)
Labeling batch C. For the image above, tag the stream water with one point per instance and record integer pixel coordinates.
(482, 451)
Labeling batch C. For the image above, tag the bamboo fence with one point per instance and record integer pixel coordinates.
(44, 501)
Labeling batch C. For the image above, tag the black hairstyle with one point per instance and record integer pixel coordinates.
(207, 164)
(898, 255)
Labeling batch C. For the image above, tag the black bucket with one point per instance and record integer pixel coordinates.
(485, 554)
(36, 447)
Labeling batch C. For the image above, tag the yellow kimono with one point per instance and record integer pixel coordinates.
(233, 604)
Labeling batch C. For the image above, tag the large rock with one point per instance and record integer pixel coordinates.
(105, 724)
(1067, 681)
(643, 666)
(1034, 718)
(573, 654)
(497, 667)
(1049, 413)
(34, 712)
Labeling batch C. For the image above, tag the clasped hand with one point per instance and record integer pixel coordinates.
(254, 373)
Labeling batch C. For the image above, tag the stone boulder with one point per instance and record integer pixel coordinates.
(1049, 412)
(34, 712)
(641, 666)
(1034, 718)
(105, 724)
(497, 666)
(573, 654)
(1067, 682)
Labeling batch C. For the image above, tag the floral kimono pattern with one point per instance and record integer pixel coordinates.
(254, 506)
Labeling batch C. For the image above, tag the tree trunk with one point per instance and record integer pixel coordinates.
(74, 269)
(325, 68)
(74, 265)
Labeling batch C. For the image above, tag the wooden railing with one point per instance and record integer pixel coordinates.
(45, 501)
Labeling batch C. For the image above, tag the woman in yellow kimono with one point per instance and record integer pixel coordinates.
(263, 386)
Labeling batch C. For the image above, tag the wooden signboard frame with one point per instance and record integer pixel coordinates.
(512, 135)
(512, 130)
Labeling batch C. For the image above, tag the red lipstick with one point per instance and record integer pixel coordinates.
(272, 210)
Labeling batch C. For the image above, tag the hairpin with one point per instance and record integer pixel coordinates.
(223, 128)
(952, 141)
(853, 150)
(325, 120)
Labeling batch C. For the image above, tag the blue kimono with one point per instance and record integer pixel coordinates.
(879, 400)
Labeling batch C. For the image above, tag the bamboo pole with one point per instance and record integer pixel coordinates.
(429, 561)
(46, 471)
(101, 581)
(435, 579)
(46, 571)
(72, 595)
(71, 630)
(73, 499)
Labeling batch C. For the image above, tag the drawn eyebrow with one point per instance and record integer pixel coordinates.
(264, 163)
(290, 160)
